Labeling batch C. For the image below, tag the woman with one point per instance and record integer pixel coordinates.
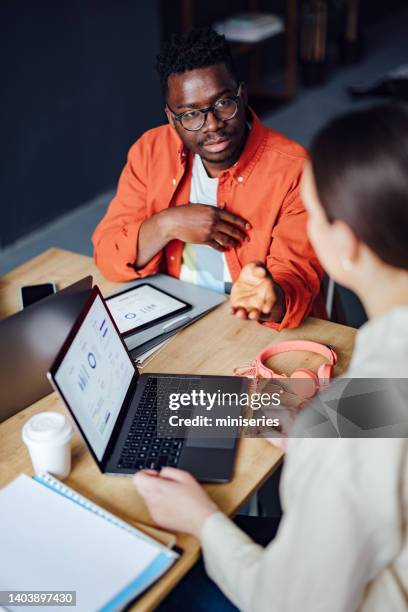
(342, 542)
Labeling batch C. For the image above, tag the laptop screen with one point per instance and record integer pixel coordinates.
(94, 376)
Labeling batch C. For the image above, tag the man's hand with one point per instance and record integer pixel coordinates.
(202, 224)
(255, 296)
(175, 499)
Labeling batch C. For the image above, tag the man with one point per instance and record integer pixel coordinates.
(212, 191)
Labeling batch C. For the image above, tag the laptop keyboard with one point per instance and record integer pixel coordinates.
(144, 446)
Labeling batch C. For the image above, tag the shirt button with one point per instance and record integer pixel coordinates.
(172, 257)
(173, 181)
(240, 179)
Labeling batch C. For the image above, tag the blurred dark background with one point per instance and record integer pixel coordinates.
(79, 87)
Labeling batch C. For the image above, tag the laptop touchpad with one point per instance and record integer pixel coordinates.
(221, 431)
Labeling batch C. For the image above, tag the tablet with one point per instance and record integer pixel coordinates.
(138, 307)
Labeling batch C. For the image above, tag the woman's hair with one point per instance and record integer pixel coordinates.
(360, 166)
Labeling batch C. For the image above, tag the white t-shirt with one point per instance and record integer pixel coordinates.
(203, 265)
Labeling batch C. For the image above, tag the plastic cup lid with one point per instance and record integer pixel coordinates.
(48, 427)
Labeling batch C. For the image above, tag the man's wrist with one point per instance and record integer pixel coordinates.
(280, 304)
(165, 224)
(279, 308)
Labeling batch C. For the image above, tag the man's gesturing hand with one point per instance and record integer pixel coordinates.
(255, 296)
(202, 224)
(175, 499)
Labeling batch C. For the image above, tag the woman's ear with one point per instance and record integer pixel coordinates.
(346, 244)
(170, 117)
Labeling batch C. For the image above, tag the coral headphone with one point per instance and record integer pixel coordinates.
(258, 369)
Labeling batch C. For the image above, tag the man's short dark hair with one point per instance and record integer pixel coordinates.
(196, 49)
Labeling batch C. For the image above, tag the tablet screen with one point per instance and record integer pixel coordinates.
(139, 306)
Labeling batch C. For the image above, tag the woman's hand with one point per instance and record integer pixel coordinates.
(255, 296)
(175, 499)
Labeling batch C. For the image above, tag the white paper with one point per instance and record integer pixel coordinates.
(49, 543)
(145, 358)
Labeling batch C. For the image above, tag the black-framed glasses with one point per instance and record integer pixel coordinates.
(223, 109)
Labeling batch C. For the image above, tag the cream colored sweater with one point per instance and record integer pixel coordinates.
(342, 543)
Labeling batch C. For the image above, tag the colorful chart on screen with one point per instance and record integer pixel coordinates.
(140, 306)
(94, 376)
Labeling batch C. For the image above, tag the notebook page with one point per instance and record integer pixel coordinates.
(58, 487)
(50, 543)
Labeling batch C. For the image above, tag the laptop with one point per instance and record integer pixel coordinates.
(122, 414)
(29, 343)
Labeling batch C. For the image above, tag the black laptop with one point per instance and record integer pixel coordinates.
(29, 342)
(124, 416)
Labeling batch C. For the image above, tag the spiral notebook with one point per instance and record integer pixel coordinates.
(53, 539)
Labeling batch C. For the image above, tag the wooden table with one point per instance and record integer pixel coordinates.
(214, 345)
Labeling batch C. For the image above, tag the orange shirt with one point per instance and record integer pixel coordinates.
(262, 187)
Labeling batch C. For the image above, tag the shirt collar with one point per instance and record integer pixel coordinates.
(252, 151)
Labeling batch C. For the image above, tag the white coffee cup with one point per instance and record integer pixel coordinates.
(48, 439)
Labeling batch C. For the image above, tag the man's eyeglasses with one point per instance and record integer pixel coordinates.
(223, 109)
